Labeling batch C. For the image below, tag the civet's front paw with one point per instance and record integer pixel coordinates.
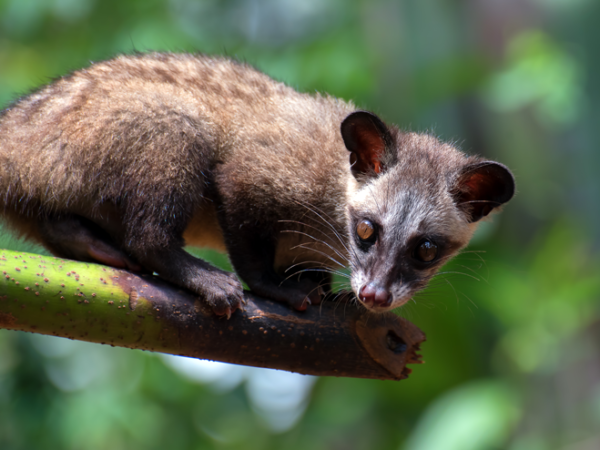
(222, 292)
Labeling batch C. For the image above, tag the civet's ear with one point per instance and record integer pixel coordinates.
(483, 186)
(369, 141)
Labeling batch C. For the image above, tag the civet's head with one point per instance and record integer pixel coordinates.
(417, 204)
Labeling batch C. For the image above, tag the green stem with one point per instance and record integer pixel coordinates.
(100, 304)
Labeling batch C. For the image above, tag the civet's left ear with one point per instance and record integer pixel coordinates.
(369, 142)
(483, 186)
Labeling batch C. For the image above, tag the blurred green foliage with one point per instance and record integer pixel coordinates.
(512, 358)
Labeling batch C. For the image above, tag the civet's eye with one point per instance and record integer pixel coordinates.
(426, 251)
(365, 230)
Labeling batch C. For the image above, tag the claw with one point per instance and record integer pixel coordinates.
(305, 304)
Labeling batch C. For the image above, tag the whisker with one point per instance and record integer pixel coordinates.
(474, 272)
(452, 286)
(456, 273)
(313, 237)
(477, 253)
(331, 258)
(473, 251)
(314, 269)
(322, 268)
(480, 258)
(472, 302)
(318, 241)
(319, 213)
(298, 272)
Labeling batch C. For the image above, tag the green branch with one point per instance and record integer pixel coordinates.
(101, 304)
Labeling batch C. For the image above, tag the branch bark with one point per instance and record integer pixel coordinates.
(101, 304)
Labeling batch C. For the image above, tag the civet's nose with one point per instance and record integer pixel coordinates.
(372, 294)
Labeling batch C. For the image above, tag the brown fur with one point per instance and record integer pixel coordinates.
(128, 160)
